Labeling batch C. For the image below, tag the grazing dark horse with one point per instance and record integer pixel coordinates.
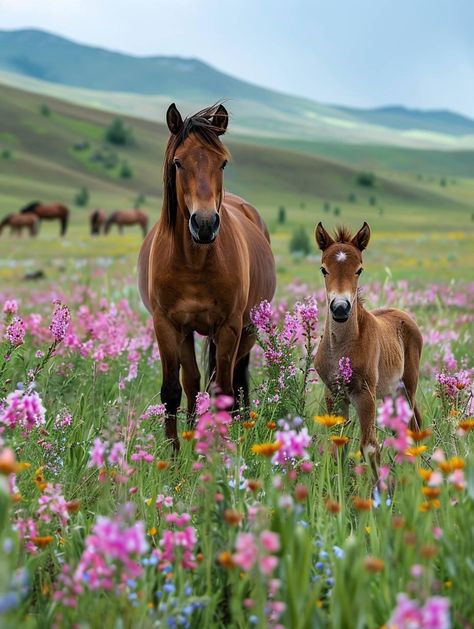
(123, 218)
(18, 222)
(97, 220)
(49, 212)
(383, 346)
(205, 264)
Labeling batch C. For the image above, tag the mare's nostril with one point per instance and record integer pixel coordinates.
(217, 221)
(194, 222)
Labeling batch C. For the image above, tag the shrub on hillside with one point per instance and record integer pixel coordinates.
(82, 197)
(45, 110)
(300, 241)
(281, 214)
(125, 171)
(118, 133)
(139, 201)
(366, 179)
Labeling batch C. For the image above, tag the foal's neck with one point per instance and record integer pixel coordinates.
(340, 334)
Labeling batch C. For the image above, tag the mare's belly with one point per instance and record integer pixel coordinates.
(389, 384)
(199, 316)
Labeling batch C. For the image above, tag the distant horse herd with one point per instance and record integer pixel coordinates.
(29, 218)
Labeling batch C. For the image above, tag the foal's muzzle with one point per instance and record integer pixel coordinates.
(340, 309)
(204, 227)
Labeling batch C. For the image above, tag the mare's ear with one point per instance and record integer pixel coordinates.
(173, 119)
(322, 237)
(361, 239)
(220, 120)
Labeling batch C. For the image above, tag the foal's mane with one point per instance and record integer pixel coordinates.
(201, 124)
(343, 234)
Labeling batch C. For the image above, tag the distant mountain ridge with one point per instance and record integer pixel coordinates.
(51, 59)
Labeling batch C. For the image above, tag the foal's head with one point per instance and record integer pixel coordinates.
(341, 265)
(194, 170)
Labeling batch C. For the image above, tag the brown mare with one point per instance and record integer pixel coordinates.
(18, 222)
(97, 220)
(205, 264)
(49, 212)
(123, 218)
(384, 345)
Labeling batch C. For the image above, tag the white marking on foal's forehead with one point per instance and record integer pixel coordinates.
(341, 256)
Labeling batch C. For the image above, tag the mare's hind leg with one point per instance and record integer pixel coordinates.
(168, 344)
(240, 380)
(120, 228)
(191, 375)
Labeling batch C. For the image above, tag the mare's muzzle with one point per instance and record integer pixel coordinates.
(340, 309)
(204, 227)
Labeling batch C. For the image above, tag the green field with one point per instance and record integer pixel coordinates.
(421, 229)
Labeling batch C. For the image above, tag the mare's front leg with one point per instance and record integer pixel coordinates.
(169, 341)
(363, 401)
(191, 375)
(227, 343)
(342, 406)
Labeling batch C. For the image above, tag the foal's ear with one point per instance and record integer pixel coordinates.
(322, 237)
(173, 119)
(361, 239)
(220, 120)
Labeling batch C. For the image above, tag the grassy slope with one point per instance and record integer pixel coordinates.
(44, 165)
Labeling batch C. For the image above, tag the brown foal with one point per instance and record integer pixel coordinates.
(384, 345)
(204, 265)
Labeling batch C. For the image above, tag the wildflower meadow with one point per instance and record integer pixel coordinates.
(268, 516)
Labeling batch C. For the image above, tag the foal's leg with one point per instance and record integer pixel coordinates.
(168, 344)
(191, 375)
(364, 403)
(410, 380)
(344, 404)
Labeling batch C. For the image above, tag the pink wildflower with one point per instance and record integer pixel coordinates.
(293, 445)
(15, 332)
(246, 551)
(10, 307)
(345, 369)
(23, 409)
(52, 502)
(270, 541)
(60, 322)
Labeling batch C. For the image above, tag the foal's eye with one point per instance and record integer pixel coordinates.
(324, 272)
(224, 164)
(359, 271)
(178, 164)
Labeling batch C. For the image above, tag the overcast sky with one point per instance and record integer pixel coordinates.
(365, 53)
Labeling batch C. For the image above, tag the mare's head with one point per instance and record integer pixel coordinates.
(341, 266)
(194, 166)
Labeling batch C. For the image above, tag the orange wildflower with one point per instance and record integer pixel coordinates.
(373, 564)
(301, 492)
(254, 485)
(467, 424)
(225, 559)
(188, 435)
(398, 522)
(363, 504)
(248, 424)
(232, 517)
(424, 473)
(431, 492)
(329, 420)
(455, 463)
(419, 435)
(453, 412)
(199, 557)
(271, 425)
(428, 551)
(42, 541)
(430, 504)
(152, 531)
(253, 415)
(416, 451)
(162, 465)
(333, 506)
(39, 479)
(266, 449)
(73, 506)
(339, 440)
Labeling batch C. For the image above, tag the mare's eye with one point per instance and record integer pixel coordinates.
(359, 271)
(224, 164)
(324, 272)
(178, 164)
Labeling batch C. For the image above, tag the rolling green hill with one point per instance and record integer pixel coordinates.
(142, 85)
(50, 149)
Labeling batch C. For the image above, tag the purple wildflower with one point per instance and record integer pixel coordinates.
(345, 369)
(15, 332)
(60, 322)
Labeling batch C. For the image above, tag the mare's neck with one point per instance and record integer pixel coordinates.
(185, 249)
